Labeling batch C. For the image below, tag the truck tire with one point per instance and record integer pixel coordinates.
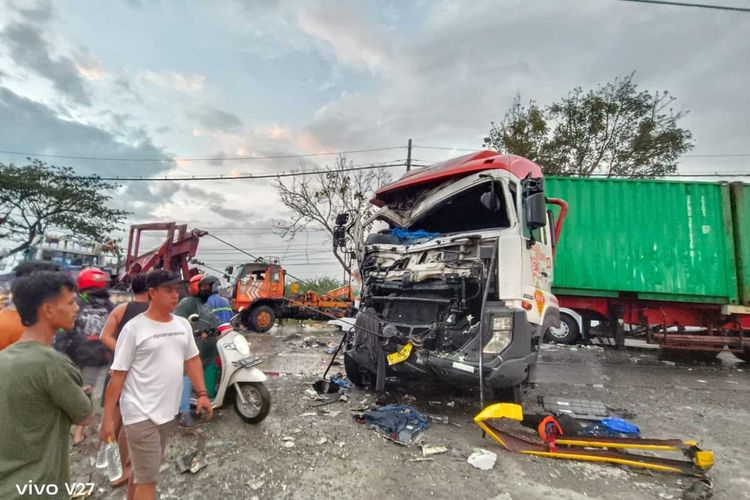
(567, 333)
(353, 371)
(262, 318)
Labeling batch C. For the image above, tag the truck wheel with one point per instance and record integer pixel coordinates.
(262, 318)
(567, 333)
(258, 401)
(353, 371)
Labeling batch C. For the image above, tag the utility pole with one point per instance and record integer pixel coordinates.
(408, 156)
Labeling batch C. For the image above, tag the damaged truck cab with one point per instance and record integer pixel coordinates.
(459, 256)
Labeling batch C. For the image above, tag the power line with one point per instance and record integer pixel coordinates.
(710, 155)
(229, 158)
(686, 4)
(238, 177)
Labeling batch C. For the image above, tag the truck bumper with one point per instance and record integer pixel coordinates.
(509, 368)
(461, 367)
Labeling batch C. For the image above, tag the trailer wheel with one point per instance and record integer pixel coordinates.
(262, 318)
(353, 371)
(567, 333)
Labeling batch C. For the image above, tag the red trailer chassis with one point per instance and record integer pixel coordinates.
(712, 326)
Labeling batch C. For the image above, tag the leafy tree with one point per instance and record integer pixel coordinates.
(319, 285)
(317, 199)
(615, 130)
(38, 198)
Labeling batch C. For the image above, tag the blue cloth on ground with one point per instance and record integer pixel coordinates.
(400, 422)
(612, 427)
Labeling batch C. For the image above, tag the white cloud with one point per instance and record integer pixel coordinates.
(174, 80)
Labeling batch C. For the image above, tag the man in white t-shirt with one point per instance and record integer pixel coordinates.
(151, 353)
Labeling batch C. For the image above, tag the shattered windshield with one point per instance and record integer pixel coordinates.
(464, 212)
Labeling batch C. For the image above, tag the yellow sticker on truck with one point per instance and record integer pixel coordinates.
(400, 356)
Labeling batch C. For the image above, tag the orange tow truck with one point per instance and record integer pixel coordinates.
(257, 288)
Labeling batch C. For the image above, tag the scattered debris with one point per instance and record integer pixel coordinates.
(700, 489)
(450, 404)
(330, 350)
(197, 465)
(422, 459)
(334, 414)
(584, 409)
(325, 387)
(185, 461)
(342, 382)
(311, 393)
(289, 444)
(428, 450)
(482, 459)
(322, 441)
(341, 444)
(439, 419)
(256, 485)
(701, 381)
(309, 414)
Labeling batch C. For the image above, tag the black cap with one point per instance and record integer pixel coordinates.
(160, 277)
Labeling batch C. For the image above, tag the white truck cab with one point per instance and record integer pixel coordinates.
(461, 256)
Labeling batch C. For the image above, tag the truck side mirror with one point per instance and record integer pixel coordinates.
(339, 231)
(536, 211)
(229, 270)
(490, 201)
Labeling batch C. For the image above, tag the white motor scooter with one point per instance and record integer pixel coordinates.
(239, 372)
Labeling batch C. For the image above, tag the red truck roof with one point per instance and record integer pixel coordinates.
(458, 167)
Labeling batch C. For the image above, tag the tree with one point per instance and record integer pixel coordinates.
(319, 285)
(615, 130)
(317, 199)
(39, 198)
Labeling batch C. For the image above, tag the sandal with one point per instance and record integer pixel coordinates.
(123, 480)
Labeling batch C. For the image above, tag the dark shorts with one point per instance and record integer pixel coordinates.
(146, 444)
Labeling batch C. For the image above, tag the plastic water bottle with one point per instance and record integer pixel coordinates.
(101, 457)
(114, 467)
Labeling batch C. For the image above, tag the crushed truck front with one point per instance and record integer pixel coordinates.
(450, 259)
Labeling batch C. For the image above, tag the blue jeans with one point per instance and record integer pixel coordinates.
(187, 389)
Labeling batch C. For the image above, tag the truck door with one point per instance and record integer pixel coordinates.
(537, 269)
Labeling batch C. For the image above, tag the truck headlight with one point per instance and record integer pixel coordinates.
(500, 336)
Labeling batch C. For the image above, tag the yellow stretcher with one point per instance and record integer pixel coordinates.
(597, 449)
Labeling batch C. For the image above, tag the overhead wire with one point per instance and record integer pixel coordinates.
(213, 159)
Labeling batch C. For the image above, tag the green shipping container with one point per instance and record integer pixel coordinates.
(741, 216)
(660, 240)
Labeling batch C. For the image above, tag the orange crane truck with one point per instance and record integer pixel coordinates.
(257, 288)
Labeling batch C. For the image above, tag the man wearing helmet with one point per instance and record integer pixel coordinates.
(82, 344)
(200, 288)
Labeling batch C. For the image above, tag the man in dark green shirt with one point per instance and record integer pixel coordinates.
(40, 391)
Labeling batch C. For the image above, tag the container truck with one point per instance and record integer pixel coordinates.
(669, 260)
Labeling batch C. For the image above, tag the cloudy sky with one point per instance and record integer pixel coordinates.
(221, 79)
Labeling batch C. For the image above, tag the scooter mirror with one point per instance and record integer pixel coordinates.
(193, 318)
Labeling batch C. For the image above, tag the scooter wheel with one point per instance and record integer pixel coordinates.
(258, 401)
